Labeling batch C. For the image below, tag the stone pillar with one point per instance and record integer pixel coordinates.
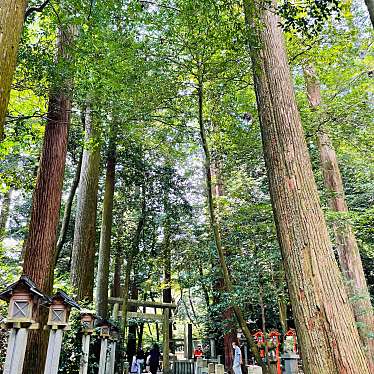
(213, 352)
(220, 369)
(211, 368)
(291, 360)
(188, 351)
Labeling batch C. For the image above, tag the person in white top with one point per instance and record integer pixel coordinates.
(237, 362)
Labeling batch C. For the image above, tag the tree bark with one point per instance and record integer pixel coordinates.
(83, 253)
(12, 14)
(348, 251)
(216, 232)
(67, 212)
(370, 6)
(116, 287)
(105, 235)
(4, 215)
(41, 240)
(326, 328)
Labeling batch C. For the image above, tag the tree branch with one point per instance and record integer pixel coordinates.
(36, 8)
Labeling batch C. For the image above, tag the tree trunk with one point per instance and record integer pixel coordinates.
(370, 6)
(216, 232)
(116, 287)
(67, 212)
(41, 240)
(83, 253)
(166, 292)
(105, 235)
(348, 252)
(131, 338)
(12, 14)
(4, 215)
(326, 328)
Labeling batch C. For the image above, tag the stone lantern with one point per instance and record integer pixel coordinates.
(24, 299)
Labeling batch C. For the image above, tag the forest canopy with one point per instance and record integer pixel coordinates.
(216, 155)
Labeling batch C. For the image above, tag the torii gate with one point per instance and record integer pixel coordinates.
(164, 318)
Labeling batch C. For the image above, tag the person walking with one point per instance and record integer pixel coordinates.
(237, 361)
(154, 359)
(140, 360)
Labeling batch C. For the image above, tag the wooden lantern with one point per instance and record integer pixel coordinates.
(114, 333)
(59, 310)
(24, 299)
(87, 320)
(105, 327)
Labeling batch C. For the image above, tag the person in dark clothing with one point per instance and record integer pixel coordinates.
(154, 359)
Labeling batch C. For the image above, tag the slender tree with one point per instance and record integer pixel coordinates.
(12, 14)
(320, 305)
(105, 235)
(83, 253)
(228, 286)
(67, 211)
(4, 214)
(346, 243)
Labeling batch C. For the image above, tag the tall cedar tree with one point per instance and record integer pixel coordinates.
(83, 253)
(105, 235)
(12, 14)
(348, 252)
(320, 304)
(41, 240)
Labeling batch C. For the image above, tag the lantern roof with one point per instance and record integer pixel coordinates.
(23, 282)
(61, 295)
(88, 312)
(102, 322)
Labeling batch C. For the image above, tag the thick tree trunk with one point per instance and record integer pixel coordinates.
(105, 235)
(216, 232)
(67, 212)
(348, 252)
(12, 14)
(41, 240)
(4, 215)
(326, 328)
(83, 253)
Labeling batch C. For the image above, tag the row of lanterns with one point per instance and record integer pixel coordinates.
(24, 302)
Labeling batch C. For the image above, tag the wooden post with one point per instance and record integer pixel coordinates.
(53, 353)
(16, 351)
(211, 368)
(103, 354)
(85, 352)
(165, 352)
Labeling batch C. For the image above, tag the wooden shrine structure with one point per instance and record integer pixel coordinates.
(163, 318)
